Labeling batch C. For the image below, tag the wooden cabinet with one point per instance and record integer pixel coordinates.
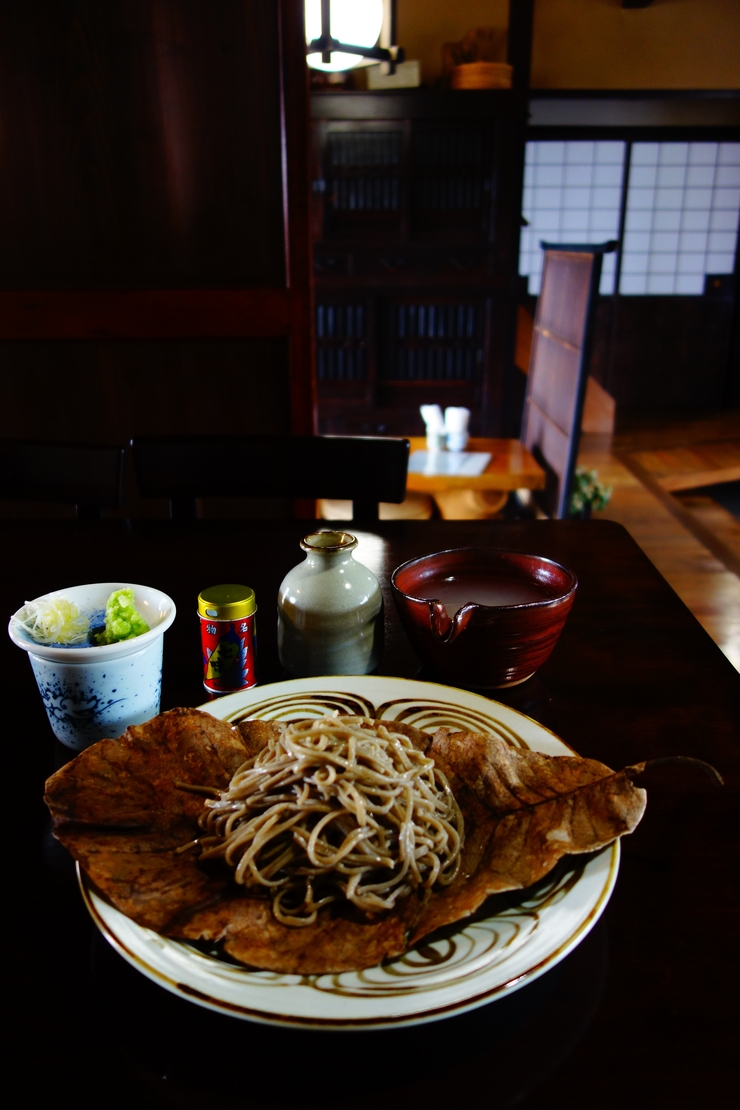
(415, 228)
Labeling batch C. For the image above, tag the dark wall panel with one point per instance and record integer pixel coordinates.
(107, 392)
(88, 392)
(139, 144)
(670, 352)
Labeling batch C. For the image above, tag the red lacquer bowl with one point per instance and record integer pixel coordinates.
(483, 618)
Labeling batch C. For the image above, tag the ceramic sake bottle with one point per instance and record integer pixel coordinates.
(330, 611)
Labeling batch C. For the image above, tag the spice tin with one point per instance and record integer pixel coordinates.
(228, 637)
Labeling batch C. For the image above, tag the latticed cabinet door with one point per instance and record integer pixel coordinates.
(345, 347)
(361, 186)
(413, 276)
(451, 186)
(431, 341)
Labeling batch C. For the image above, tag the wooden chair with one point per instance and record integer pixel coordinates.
(364, 470)
(88, 477)
(558, 367)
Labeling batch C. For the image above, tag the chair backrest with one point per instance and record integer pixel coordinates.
(88, 477)
(558, 365)
(361, 469)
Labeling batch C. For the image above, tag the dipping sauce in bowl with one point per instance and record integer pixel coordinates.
(458, 590)
(483, 618)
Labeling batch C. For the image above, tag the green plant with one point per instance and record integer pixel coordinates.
(588, 492)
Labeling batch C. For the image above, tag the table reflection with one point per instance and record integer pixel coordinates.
(502, 1051)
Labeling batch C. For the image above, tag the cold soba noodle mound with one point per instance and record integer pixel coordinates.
(336, 809)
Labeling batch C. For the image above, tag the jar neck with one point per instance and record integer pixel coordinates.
(327, 544)
(322, 560)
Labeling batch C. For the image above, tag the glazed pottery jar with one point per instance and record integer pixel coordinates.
(330, 611)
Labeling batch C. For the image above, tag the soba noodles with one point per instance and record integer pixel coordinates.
(336, 808)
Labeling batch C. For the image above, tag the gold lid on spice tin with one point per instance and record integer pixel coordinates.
(227, 603)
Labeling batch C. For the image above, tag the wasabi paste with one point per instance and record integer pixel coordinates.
(123, 621)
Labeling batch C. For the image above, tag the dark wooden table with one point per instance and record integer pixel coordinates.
(643, 1013)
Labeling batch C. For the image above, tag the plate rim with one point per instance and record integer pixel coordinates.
(95, 903)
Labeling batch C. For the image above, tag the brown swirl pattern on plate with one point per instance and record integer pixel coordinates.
(451, 955)
(497, 938)
(291, 707)
(429, 715)
(424, 714)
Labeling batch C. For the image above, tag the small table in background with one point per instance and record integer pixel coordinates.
(512, 466)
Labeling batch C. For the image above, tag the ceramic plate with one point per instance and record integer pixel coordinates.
(458, 969)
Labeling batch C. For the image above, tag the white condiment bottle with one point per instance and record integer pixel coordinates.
(330, 610)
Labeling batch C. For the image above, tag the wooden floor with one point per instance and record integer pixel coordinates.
(693, 542)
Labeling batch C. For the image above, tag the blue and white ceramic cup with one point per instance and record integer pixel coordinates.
(91, 691)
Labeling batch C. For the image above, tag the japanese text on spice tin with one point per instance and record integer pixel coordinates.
(228, 637)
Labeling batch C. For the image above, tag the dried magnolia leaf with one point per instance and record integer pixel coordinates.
(117, 809)
(123, 809)
(523, 812)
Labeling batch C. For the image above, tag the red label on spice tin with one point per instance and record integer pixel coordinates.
(228, 654)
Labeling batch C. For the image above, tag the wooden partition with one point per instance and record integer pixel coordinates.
(558, 367)
(153, 218)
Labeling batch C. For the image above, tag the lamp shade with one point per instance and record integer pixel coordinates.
(355, 22)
